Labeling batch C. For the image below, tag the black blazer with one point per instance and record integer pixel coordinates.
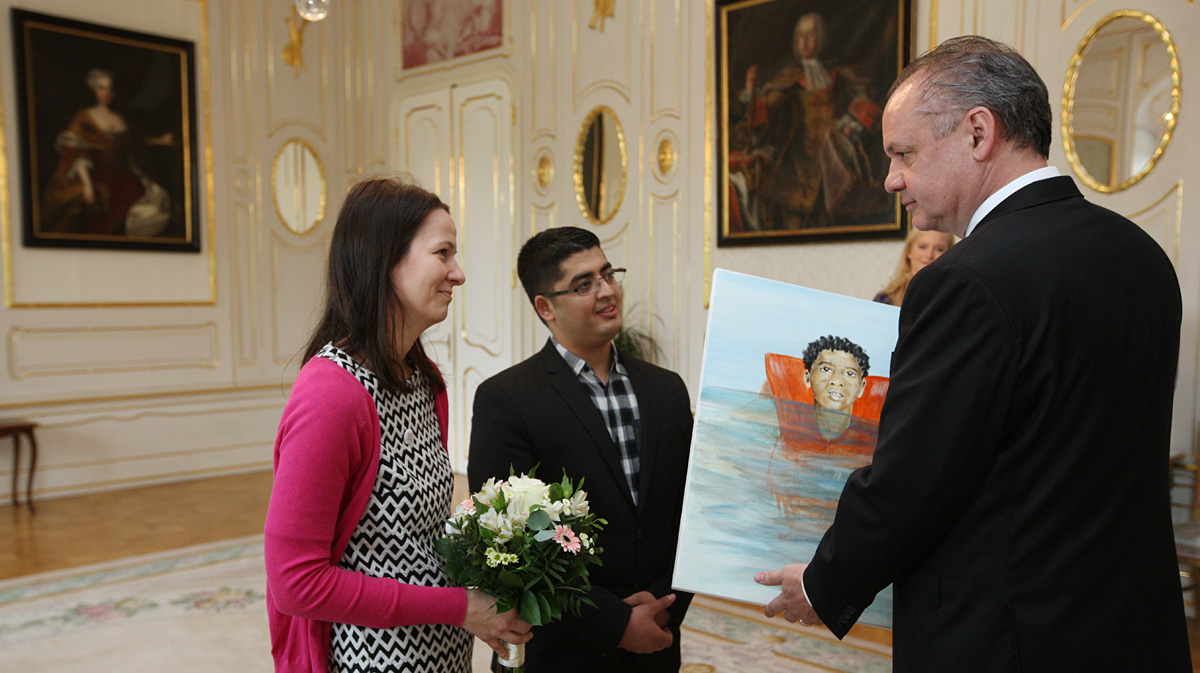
(1018, 497)
(538, 413)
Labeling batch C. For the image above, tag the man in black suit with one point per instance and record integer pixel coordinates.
(1018, 498)
(622, 425)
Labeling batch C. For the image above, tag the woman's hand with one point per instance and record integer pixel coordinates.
(492, 628)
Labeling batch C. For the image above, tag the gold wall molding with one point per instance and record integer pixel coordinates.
(933, 24)
(245, 295)
(242, 32)
(621, 231)
(543, 71)
(709, 222)
(179, 475)
(1067, 14)
(152, 413)
(282, 388)
(75, 351)
(676, 81)
(5, 186)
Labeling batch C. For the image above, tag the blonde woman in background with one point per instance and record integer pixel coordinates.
(920, 249)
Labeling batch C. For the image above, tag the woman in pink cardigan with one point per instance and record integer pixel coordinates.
(363, 483)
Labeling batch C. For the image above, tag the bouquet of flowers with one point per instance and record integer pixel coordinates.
(527, 544)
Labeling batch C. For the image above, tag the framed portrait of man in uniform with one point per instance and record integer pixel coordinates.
(801, 86)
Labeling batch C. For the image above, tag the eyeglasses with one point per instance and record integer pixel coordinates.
(589, 286)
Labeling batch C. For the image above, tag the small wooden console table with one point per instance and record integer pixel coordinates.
(16, 428)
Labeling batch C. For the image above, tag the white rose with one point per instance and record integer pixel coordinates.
(523, 493)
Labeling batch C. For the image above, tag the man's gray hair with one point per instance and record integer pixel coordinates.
(972, 71)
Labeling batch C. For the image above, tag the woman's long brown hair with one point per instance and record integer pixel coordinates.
(374, 231)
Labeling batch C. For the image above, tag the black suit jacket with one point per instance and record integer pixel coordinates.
(1018, 497)
(538, 413)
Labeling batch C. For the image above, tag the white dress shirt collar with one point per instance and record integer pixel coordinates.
(1008, 190)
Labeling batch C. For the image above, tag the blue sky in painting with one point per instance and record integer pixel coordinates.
(750, 316)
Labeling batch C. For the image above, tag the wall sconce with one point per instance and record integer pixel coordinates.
(303, 13)
(312, 10)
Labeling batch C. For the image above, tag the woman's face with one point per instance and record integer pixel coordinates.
(424, 278)
(925, 248)
(104, 90)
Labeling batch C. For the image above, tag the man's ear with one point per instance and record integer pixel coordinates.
(544, 309)
(983, 128)
(807, 383)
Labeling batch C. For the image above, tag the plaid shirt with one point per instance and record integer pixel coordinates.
(617, 404)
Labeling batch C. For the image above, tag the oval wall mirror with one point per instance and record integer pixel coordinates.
(298, 184)
(1120, 100)
(600, 164)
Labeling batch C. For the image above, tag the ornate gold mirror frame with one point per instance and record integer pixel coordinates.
(600, 176)
(1114, 181)
(298, 185)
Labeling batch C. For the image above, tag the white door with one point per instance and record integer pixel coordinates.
(457, 141)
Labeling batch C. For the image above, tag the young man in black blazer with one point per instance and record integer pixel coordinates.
(1018, 498)
(621, 424)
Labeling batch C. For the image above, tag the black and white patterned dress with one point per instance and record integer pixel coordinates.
(407, 512)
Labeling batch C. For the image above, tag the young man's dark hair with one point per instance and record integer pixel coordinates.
(834, 343)
(540, 259)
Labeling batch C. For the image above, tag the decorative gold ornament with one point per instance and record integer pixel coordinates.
(604, 9)
(666, 157)
(291, 53)
(544, 172)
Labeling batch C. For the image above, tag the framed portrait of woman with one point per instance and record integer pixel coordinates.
(801, 86)
(108, 142)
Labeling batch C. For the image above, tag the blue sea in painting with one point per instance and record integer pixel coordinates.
(752, 501)
(751, 506)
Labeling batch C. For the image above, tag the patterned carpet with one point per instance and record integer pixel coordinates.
(201, 609)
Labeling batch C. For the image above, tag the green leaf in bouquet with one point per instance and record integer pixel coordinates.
(444, 546)
(544, 606)
(539, 520)
(529, 609)
(544, 535)
(556, 492)
(510, 579)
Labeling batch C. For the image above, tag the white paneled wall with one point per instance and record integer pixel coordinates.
(148, 367)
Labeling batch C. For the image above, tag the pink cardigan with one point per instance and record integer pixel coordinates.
(326, 459)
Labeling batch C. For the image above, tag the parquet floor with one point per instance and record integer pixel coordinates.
(75, 531)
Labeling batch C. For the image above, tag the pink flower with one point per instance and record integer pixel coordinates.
(467, 506)
(567, 539)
